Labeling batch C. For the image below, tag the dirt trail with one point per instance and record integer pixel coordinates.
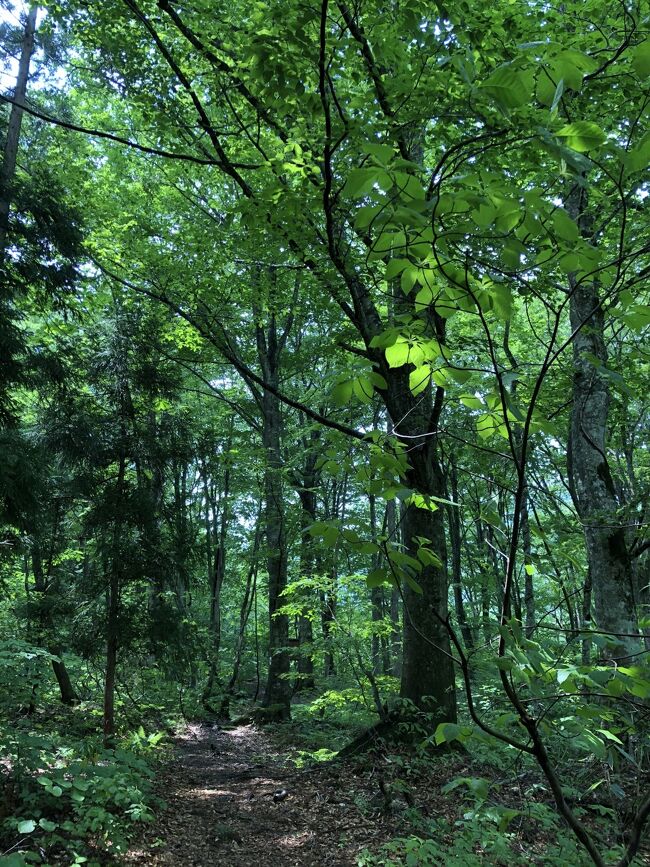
(231, 802)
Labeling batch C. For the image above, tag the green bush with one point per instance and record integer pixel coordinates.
(73, 798)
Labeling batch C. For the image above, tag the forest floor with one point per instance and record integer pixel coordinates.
(235, 798)
(231, 800)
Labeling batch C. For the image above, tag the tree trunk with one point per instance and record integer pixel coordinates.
(456, 563)
(430, 687)
(13, 128)
(307, 497)
(112, 619)
(278, 688)
(395, 598)
(68, 693)
(609, 561)
(217, 570)
(427, 672)
(376, 596)
(245, 610)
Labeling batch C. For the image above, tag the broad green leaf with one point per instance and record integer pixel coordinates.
(383, 153)
(397, 354)
(378, 577)
(500, 295)
(484, 216)
(46, 825)
(638, 158)
(428, 558)
(569, 263)
(486, 426)
(367, 547)
(362, 388)
(447, 732)
(419, 379)
(395, 267)
(342, 392)
(421, 501)
(610, 736)
(351, 536)
(26, 826)
(509, 86)
(377, 379)
(472, 401)
(564, 674)
(641, 59)
(582, 136)
(360, 182)
(505, 663)
(412, 583)
(366, 215)
(564, 226)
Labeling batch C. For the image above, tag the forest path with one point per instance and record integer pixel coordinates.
(231, 801)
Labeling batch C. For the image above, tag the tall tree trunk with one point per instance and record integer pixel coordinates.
(278, 688)
(216, 583)
(456, 563)
(376, 596)
(608, 557)
(114, 562)
(307, 496)
(329, 595)
(43, 586)
(529, 572)
(395, 599)
(246, 606)
(13, 129)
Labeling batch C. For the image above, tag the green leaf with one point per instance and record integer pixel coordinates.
(428, 558)
(509, 86)
(46, 825)
(564, 226)
(447, 732)
(363, 389)
(412, 583)
(641, 59)
(377, 380)
(419, 379)
(342, 392)
(360, 182)
(381, 152)
(472, 401)
(397, 354)
(395, 267)
(366, 215)
(638, 158)
(582, 136)
(377, 577)
(609, 736)
(26, 826)
(408, 279)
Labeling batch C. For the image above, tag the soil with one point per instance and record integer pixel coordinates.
(234, 799)
(230, 800)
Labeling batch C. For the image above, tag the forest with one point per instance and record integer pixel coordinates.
(324, 454)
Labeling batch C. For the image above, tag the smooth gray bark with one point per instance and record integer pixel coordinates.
(610, 565)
